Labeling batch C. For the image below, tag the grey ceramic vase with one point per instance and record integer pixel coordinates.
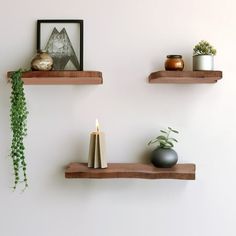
(163, 157)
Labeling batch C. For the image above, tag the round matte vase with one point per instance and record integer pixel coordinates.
(164, 158)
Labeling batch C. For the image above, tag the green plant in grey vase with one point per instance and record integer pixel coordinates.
(164, 156)
(203, 56)
(18, 116)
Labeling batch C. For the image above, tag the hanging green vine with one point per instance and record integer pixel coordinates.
(18, 115)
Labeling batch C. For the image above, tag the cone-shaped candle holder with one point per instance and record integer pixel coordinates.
(97, 157)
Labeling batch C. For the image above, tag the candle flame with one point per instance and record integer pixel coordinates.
(97, 125)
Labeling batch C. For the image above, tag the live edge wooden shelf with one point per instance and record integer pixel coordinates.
(61, 77)
(131, 170)
(185, 77)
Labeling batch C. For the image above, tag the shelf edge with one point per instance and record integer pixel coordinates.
(131, 170)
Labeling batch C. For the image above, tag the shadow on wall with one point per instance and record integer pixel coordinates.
(90, 189)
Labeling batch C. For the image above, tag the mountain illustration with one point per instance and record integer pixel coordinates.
(61, 50)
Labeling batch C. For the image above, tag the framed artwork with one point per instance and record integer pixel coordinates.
(63, 40)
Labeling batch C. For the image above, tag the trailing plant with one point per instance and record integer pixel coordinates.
(204, 48)
(165, 141)
(18, 116)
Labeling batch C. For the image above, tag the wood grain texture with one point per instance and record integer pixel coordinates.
(61, 77)
(185, 77)
(131, 170)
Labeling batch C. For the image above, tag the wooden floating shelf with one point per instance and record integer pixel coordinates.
(131, 170)
(185, 77)
(61, 77)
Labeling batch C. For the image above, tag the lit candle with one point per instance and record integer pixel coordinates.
(97, 125)
(97, 157)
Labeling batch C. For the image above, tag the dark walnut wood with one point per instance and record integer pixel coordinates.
(131, 170)
(61, 77)
(185, 77)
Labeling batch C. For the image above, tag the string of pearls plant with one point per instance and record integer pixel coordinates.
(18, 117)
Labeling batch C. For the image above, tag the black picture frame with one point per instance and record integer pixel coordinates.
(79, 55)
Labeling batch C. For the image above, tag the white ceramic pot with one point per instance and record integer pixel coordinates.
(203, 62)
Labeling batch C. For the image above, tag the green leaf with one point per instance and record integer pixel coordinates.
(163, 142)
(163, 131)
(175, 131)
(167, 146)
(170, 143)
(152, 141)
(173, 139)
(161, 137)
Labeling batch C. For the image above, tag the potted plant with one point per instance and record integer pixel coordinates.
(163, 155)
(203, 56)
(18, 117)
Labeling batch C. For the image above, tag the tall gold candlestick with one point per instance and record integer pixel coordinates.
(97, 157)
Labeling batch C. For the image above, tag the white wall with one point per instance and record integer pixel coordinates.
(126, 40)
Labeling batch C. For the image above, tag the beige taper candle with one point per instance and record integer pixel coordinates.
(97, 157)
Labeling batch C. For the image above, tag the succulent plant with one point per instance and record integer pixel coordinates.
(204, 48)
(165, 141)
